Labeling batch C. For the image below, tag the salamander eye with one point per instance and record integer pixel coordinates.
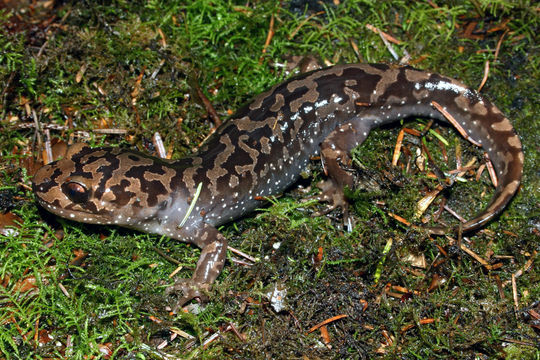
(76, 192)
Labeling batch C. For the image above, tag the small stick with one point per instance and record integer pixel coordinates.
(269, 37)
(486, 74)
(491, 171)
(397, 148)
(303, 23)
(64, 290)
(399, 218)
(475, 256)
(210, 339)
(243, 254)
(232, 328)
(114, 131)
(208, 106)
(158, 143)
(455, 214)
(499, 45)
(175, 271)
(480, 171)
(515, 295)
(327, 321)
(388, 45)
(48, 149)
(454, 122)
(388, 37)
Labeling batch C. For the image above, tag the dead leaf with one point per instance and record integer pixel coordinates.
(9, 223)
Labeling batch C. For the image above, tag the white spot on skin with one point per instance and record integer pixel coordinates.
(318, 104)
(448, 86)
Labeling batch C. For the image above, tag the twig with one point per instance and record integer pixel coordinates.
(208, 106)
(269, 37)
(243, 254)
(47, 41)
(491, 171)
(454, 122)
(327, 321)
(499, 45)
(158, 143)
(400, 219)
(303, 23)
(455, 214)
(397, 148)
(515, 296)
(388, 37)
(388, 45)
(486, 74)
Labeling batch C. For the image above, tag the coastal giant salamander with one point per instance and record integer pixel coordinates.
(261, 151)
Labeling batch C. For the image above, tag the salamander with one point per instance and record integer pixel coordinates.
(261, 150)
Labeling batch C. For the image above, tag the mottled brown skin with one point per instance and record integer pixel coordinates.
(261, 151)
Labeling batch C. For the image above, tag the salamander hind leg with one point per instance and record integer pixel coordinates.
(335, 151)
(213, 250)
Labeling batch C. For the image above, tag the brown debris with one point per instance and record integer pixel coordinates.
(269, 37)
(486, 74)
(397, 147)
(305, 21)
(212, 113)
(9, 223)
(327, 321)
(386, 36)
(454, 122)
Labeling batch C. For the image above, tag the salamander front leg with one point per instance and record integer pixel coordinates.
(335, 151)
(209, 266)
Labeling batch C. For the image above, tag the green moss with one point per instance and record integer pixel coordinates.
(116, 294)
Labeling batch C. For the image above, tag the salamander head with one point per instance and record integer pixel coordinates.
(101, 186)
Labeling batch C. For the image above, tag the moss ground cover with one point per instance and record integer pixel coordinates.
(117, 72)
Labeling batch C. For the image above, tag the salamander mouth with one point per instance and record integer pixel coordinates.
(75, 215)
